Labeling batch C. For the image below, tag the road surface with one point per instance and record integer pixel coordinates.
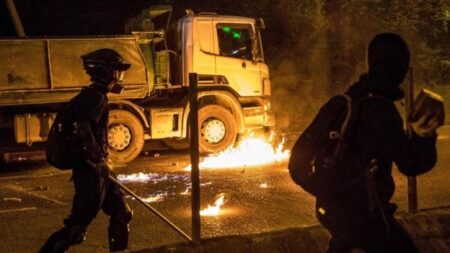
(34, 199)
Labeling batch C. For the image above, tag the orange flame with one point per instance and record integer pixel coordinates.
(186, 192)
(253, 151)
(215, 209)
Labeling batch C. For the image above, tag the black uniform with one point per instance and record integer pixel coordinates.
(363, 215)
(93, 190)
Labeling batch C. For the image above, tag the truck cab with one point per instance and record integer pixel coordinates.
(226, 51)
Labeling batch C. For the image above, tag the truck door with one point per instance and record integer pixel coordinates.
(234, 55)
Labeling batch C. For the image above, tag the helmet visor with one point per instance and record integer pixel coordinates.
(122, 66)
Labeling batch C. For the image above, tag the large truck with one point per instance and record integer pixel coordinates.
(38, 75)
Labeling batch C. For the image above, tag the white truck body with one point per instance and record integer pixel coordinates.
(39, 75)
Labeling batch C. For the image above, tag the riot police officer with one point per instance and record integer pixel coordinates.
(93, 189)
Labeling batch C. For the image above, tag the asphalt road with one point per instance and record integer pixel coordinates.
(34, 199)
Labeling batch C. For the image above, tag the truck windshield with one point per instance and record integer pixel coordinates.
(235, 40)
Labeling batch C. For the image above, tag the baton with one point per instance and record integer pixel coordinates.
(181, 232)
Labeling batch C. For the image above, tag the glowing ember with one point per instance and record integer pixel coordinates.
(155, 198)
(151, 178)
(263, 185)
(138, 177)
(186, 192)
(214, 210)
(253, 151)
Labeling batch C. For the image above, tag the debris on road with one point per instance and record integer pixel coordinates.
(17, 210)
(42, 188)
(12, 199)
(205, 184)
(155, 198)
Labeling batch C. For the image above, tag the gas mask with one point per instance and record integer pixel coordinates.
(116, 86)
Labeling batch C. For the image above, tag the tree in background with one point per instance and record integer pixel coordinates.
(423, 23)
(328, 40)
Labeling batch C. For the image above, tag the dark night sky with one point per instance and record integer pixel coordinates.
(77, 17)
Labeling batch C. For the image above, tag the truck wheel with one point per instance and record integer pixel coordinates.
(217, 129)
(125, 136)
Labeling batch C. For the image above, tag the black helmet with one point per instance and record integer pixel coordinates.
(106, 68)
(104, 57)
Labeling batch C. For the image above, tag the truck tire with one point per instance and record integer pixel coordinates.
(217, 129)
(125, 136)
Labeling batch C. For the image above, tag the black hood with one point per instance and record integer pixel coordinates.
(388, 59)
(365, 85)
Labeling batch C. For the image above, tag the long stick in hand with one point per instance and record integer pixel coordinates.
(181, 232)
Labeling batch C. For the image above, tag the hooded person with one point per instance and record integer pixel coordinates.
(88, 112)
(379, 139)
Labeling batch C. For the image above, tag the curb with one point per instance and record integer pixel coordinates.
(430, 230)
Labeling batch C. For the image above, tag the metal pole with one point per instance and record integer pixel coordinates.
(181, 232)
(409, 108)
(15, 18)
(195, 157)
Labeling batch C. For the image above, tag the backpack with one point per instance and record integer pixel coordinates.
(321, 153)
(63, 139)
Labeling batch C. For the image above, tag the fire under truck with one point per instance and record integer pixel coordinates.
(38, 75)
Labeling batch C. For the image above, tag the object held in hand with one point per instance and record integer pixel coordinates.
(428, 105)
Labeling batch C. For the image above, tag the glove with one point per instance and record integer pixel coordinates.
(426, 126)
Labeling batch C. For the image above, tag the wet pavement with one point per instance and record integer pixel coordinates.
(34, 199)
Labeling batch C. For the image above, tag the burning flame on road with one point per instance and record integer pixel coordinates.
(215, 209)
(186, 192)
(264, 185)
(253, 151)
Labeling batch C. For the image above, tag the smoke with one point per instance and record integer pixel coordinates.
(295, 97)
(299, 63)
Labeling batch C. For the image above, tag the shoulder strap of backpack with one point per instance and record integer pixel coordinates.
(349, 119)
(352, 109)
(341, 133)
(344, 125)
(340, 136)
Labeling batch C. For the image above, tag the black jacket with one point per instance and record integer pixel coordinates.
(378, 133)
(92, 119)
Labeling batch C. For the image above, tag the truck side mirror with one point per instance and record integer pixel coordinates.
(260, 24)
(255, 50)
